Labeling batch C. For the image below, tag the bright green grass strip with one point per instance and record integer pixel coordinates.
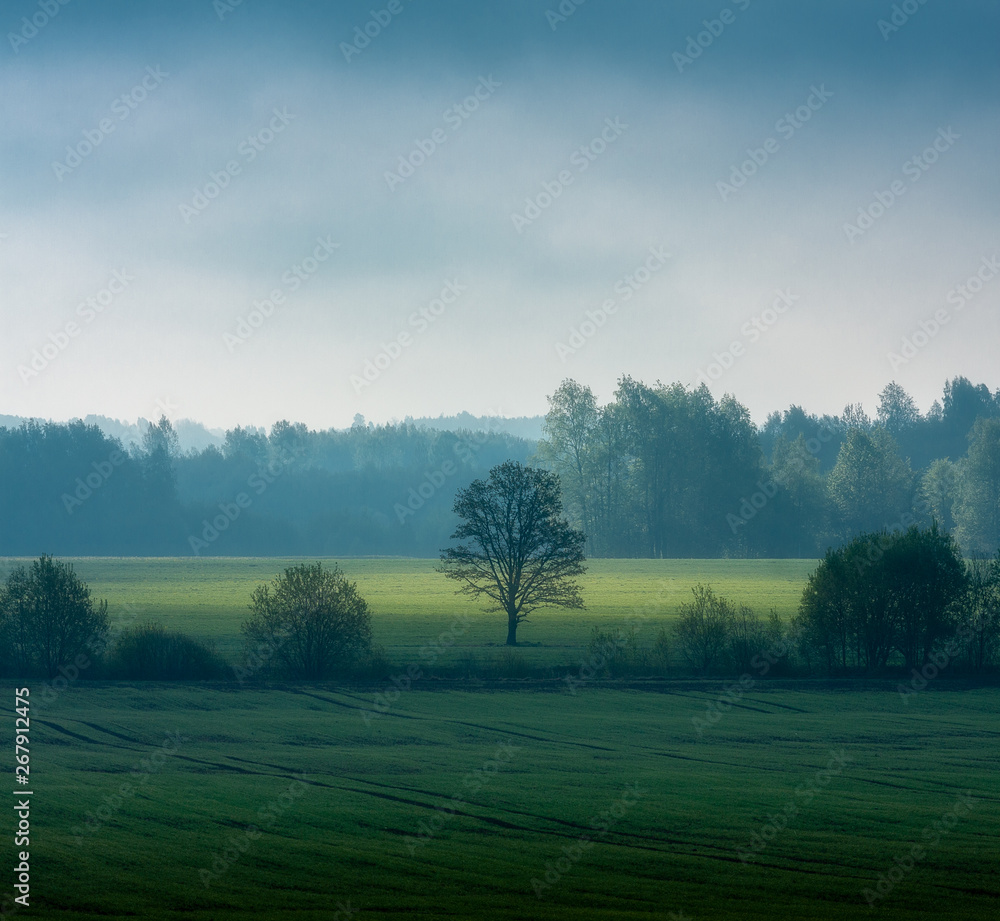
(412, 604)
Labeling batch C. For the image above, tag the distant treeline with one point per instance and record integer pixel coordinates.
(71, 490)
(658, 472)
(669, 472)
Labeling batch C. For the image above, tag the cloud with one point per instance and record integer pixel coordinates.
(261, 187)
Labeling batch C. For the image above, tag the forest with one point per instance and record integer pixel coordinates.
(661, 471)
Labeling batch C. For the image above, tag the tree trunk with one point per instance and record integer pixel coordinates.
(511, 629)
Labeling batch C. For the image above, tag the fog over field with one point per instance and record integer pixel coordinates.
(445, 172)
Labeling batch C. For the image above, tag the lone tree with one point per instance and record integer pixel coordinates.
(310, 620)
(517, 550)
(47, 619)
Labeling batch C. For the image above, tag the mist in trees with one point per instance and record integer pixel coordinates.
(69, 489)
(658, 471)
(665, 471)
(655, 472)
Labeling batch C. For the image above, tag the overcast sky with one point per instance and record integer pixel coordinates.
(441, 202)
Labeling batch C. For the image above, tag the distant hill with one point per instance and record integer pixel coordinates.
(194, 435)
(190, 434)
(523, 426)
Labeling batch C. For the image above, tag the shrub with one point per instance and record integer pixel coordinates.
(615, 652)
(705, 630)
(312, 621)
(508, 663)
(374, 665)
(659, 657)
(748, 637)
(148, 652)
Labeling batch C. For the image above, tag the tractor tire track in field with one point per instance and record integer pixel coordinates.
(456, 722)
(489, 820)
(73, 735)
(577, 828)
(736, 705)
(111, 732)
(708, 696)
(771, 703)
(693, 695)
(538, 738)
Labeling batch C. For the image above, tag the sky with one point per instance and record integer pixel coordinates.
(239, 212)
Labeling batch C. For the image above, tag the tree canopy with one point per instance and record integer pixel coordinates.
(659, 470)
(47, 619)
(516, 550)
(309, 622)
(883, 595)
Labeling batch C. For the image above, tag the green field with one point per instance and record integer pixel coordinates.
(510, 801)
(412, 604)
(338, 804)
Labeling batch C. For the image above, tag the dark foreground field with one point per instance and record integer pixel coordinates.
(166, 801)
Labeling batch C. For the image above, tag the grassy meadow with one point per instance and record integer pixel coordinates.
(333, 801)
(412, 604)
(286, 803)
